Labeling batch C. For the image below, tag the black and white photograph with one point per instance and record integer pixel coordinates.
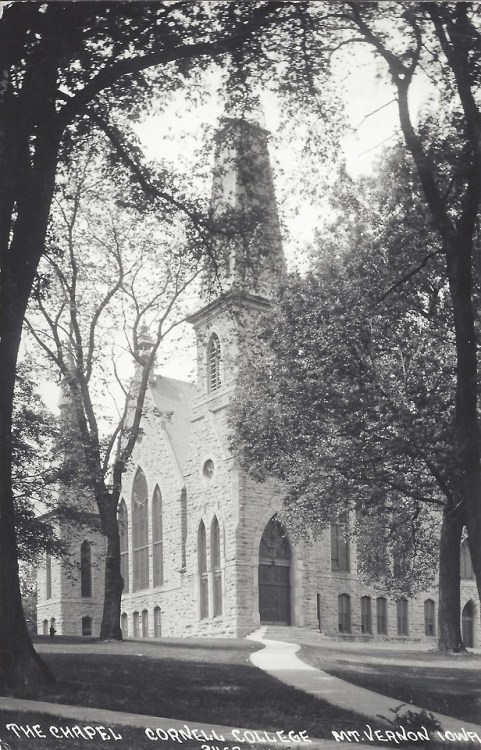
(240, 376)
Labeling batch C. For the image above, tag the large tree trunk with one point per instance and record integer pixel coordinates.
(110, 627)
(449, 608)
(459, 265)
(20, 666)
(22, 243)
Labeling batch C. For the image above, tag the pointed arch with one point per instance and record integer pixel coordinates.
(87, 625)
(157, 622)
(124, 544)
(86, 569)
(429, 617)
(216, 567)
(366, 614)
(381, 615)
(340, 552)
(344, 613)
(465, 564)
(140, 531)
(213, 364)
(157, 538)
(274, 575)
(203, 576)
(402, 616)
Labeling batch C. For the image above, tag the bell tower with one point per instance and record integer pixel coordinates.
(246, 264)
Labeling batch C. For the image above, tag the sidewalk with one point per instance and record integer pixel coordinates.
(279, 659)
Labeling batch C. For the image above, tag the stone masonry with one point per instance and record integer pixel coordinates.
(184, 452)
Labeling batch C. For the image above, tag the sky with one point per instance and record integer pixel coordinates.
(175, 137)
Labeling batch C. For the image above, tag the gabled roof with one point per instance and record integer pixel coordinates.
(175, 400)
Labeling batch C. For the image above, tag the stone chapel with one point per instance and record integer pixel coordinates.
(202, 552)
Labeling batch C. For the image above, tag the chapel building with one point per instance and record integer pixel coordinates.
(202, 550)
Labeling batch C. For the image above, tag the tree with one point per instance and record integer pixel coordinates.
(443, 42)
(107, 269)
(34, 476)
(61, 64)
(348, 397)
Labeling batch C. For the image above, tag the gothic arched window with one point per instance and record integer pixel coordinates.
(140, 531)
(429, 617)
(340, 557)
(157, 622)
(203, 576)
(86, 625)
(466, 566)
(217, 572)
(157, 538)
(124, 544)
(86, 569)
(366, 614)
(213, 363)
(145, 623)
(402, 616)
(381, 615)
(344, 613)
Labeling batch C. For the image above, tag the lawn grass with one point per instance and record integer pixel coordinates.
(450, 686)
(194, 680)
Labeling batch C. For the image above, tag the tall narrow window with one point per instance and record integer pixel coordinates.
(344, 612)
(381, 615)
(145, 623)
(203, 576)
(124, 624)
(124, 544)
(86, 626)
(140, 529)
(366, 614)
(183, 528)
(429, 617)
(157, 538)
(136, 624)
(402, 617)
(217, 572)
(466, 567)
(157, 622)
(213, 363)
(86, 569)
(340, 544)
(48, 577)
(45, 627)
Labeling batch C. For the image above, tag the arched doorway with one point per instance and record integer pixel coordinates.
(468, 624)
(274, 576)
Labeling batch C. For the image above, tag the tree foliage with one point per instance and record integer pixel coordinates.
(348, 393)
(107, 270)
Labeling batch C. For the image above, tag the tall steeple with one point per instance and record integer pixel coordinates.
(248, 255)
(246, 266)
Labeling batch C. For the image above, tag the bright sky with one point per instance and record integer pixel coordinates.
(176, 135)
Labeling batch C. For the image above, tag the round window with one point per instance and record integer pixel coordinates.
(208, 470)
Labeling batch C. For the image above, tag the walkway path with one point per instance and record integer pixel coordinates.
(279, 659)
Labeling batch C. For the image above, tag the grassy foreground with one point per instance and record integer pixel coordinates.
(448, 685)
(195, 680)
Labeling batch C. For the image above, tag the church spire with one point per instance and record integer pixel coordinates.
(249, 255)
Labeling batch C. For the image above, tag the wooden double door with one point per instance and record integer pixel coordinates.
(274, 576)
